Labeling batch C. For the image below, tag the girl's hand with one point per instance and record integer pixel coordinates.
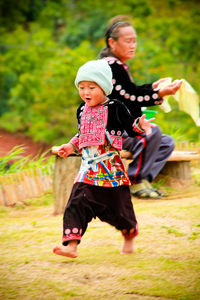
(65, 150)
(170, 89)
(146, 124)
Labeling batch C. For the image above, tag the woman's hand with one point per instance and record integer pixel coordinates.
(146, 124)
(156, 83)
(65, 150)
(170, 89)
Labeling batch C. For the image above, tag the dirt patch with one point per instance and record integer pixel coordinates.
(9, 140)
(174, 183)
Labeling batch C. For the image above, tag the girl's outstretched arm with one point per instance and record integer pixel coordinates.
(65, 150)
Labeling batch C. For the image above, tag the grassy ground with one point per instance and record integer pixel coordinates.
(165, 264)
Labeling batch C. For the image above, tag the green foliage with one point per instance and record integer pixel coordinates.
(43, 43)
(6, 166)
(178, 124)
(43, 102)
(14, 12)
(15, 162)
(43, 99)
(91, 24)
(91, 28)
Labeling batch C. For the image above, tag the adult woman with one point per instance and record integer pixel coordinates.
(150, 152)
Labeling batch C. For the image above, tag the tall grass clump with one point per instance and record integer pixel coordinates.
(15, 162)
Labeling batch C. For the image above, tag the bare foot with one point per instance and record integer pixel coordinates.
(128, 246)
(65, 251)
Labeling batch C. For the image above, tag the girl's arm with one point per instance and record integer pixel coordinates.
(146, 124)
(133, 127)
(72, 147)
(65, 150)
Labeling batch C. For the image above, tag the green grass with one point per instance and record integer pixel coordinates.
(165, 264)
(15, 162)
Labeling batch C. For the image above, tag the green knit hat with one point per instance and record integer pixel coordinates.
(97, 71)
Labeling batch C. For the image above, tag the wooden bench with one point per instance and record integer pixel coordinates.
(179, 164)
(65, 170)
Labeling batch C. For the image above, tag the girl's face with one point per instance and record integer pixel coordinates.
(124, 47)
(91, 93)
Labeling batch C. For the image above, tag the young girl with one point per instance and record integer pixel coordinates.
(101, 188)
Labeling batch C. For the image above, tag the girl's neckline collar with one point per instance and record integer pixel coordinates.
(102, 104)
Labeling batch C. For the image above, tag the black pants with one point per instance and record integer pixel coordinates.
(110, 204)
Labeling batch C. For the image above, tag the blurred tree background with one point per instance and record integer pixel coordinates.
(44, 42)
